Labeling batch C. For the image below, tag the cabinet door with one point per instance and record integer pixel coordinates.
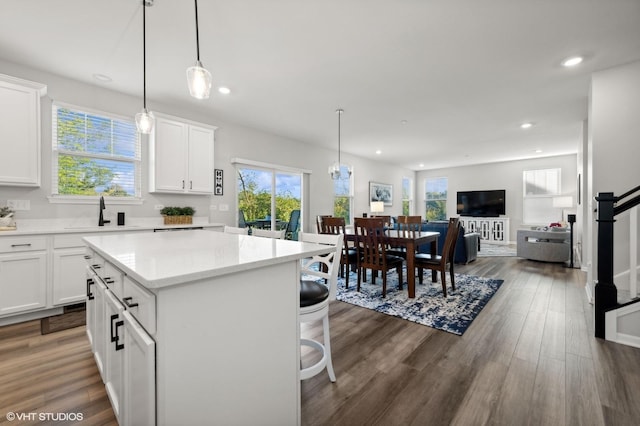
(114, 354)
(69, 284)
(19, 134)
(23, 282)
(100, 330)
(168, 157)
(91, 280)
(139, 374)
(200, 160)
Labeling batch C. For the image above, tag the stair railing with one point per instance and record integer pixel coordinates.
(606, 293)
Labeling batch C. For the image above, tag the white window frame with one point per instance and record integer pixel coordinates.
(410, 195)
(424, 204)
(56, 198)
(537, 207)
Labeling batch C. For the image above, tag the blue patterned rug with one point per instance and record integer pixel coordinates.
(453, 314)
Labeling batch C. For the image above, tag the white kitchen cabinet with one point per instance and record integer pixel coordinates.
(100, 330)
(139, 374)
(23, 274)
(20, 131)
(69, 261)
(114, 354)
(181, 157)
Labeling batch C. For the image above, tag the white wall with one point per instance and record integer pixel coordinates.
(614, 147)
(231, 140)
(504, 175)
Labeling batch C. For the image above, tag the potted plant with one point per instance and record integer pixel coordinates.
(177, 215)
(6, 217)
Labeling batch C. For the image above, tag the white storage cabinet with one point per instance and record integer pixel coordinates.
(20, 131)
(23, 274)
(181, 157)
(491, 229)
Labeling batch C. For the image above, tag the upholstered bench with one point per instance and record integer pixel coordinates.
(547, 246)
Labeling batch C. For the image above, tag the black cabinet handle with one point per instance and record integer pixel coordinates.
(109, 280)
(114, 335)
(96, 266)
(127, 302)
(87, 257)
(89, 284)
(119, 346)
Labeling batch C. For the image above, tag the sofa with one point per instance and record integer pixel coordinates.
(467, 244)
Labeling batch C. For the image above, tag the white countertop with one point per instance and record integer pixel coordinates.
(157, 260)
(82, 226)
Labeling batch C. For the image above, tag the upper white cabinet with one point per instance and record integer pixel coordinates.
(20, 131)
(181, 157)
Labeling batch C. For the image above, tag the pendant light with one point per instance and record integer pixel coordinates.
(198, 78)
(145, 120)
(334, 170)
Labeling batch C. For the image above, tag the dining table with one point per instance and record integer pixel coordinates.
(395, 238)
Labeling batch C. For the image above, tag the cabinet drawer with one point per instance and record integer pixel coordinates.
(95, 262)
(141, 304)
(113, 279)
(68, 241)
(15, 244)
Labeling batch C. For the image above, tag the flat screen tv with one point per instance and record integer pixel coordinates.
(481, 203)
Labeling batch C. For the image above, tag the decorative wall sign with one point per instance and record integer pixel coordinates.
(219, 180)
(381, 192)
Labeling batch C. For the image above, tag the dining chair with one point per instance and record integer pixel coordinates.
(445, 259)
(267, 233)
(349, 258)
(386, 219)
(291, 230)
(372, 247)
(236, 230)
(318, 281)
(407, 227)
(319, 220)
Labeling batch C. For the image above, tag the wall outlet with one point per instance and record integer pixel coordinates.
(158, 207)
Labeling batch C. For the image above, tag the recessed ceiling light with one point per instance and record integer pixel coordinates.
(538, 151)
(404, 122)
(378, 152)
(421, 165)
(526, 125)
(102, 78)
(224, 90)
(572, 62)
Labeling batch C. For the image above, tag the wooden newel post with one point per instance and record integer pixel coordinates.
(606, 293)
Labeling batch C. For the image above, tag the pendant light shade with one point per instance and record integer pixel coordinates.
(199, 81)
(334, 170)
(145, 121)
(198, 78)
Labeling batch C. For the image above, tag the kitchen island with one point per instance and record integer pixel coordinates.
(209, 325)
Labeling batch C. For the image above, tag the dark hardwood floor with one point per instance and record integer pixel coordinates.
(529, 358)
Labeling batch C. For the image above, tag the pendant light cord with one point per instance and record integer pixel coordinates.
(197, 33)
(144, 54)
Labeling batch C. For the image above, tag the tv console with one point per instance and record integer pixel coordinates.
(491, 229)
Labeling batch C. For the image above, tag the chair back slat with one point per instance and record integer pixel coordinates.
(409, 226)
(323, 266)
(370, 241)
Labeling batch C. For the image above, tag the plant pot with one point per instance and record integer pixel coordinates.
(178, 220)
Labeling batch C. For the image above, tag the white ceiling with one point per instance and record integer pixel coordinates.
(463, 74)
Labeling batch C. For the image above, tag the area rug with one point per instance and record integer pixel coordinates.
(496, 250)
(453, 314)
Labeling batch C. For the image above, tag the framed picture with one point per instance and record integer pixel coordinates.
(381, 192)
(218, 181)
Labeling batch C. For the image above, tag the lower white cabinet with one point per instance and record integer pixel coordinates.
(124, 351)
(23, 274)
(68, 285)
(139, 374)
(491, 229)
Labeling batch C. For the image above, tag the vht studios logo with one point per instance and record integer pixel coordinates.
(45, 417)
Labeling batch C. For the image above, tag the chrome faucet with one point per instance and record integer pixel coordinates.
(101, 220)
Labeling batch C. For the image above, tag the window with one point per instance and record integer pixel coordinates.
(94, 154)
(343, 195)
(407, 196)
(435, 196)
(540, 188)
